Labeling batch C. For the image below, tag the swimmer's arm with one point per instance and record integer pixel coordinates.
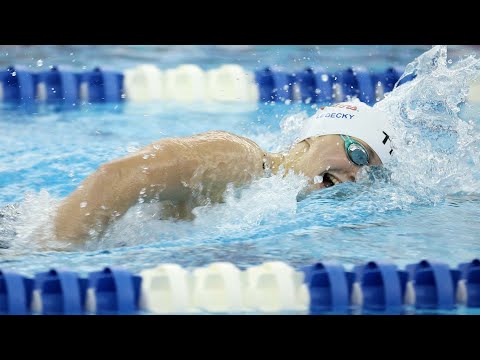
(154, 172)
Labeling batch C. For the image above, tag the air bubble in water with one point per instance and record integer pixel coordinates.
(39, 62)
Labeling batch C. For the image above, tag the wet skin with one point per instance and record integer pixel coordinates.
(182, 173)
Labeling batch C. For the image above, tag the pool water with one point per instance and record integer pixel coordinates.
(426, 204)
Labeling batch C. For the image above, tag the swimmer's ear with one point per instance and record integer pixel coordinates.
(304, 145)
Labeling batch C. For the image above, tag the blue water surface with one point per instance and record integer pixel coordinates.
(46, 153)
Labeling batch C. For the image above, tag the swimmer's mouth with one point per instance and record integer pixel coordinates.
(329, 180)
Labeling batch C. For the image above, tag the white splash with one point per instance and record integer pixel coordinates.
(435, 148)
(30, 224)
(265, 200)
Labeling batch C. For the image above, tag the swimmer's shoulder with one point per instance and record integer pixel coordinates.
(216, 135)
(174, 146)
(227, 136)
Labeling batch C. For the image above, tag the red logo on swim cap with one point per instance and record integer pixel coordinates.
(342, 106)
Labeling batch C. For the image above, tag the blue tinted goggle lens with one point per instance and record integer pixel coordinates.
(355, 151)
(358, 155)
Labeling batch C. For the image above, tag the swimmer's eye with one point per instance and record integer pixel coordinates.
(355, 151)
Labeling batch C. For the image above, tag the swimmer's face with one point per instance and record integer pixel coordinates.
(325, 156)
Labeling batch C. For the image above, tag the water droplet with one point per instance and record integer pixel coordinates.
(39, 62)
(131, 148)
(14, 73)
(449, 61)
(318, 179)
(146, 156)
(83, 204)
(123, 96)
(324, 77)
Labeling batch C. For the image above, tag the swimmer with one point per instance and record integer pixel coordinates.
(182, 173)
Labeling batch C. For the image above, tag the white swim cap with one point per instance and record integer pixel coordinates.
(354, 119)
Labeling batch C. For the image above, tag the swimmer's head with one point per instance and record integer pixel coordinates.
(339, 140)
(355, 119)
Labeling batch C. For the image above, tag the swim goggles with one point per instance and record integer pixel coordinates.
(356, 152)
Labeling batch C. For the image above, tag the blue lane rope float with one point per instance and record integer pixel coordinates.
(101, 86)
(470, 279)
(329, 286)
(275, 85)
(315, 85)
(15, 293)
(434, 283)
(18, 85)
(373, 287)
(116, 291)
(383, 286)
(59, 292)
(58, 86)
(147, 83)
